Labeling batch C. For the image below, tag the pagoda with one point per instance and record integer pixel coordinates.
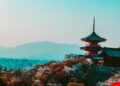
(93, 47)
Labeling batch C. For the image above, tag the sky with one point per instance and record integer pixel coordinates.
(61, 21)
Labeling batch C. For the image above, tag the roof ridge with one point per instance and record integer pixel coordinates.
(111, 48)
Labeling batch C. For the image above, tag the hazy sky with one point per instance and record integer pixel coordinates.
(63, 21)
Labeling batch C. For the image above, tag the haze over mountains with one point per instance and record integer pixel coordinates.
(40, 50)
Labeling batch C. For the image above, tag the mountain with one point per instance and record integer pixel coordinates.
(40, 50)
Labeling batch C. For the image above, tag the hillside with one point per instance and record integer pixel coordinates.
(40, 50)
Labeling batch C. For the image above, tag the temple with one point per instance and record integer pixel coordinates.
(111, 56)
(108, 56)
(93, 40)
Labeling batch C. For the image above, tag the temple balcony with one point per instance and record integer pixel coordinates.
(90, 45)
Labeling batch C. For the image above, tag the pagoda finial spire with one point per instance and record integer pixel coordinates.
(94, 24)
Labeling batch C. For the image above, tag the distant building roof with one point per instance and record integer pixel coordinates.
(112, 52)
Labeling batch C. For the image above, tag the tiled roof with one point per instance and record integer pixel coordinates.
(112, 52)
(93, 37)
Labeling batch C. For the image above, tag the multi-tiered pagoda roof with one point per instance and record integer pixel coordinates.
(93, 37)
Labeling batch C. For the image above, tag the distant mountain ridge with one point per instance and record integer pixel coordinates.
(40, 50)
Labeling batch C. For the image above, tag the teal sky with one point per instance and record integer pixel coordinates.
(62, 21)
